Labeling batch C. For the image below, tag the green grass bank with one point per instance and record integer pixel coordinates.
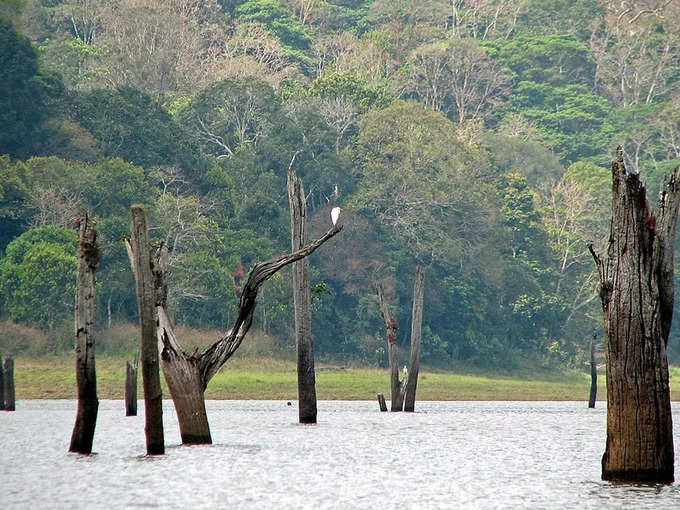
(265, 378)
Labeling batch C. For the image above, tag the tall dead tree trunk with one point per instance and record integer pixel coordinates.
(8, 384)
(593, 375)
(302, 304)
(86, 377)
(131, 387)
(636, 288)
(138, 249)
(397, 387)
(187, 375)
(416, 334)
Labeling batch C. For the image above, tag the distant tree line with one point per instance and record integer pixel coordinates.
(470, 137)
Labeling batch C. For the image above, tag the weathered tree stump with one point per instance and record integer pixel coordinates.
(8, 385)
(416, 334)
(636, 289)
(302, 304)
(86, 378)
(397, 387)
(138, 247)
(2, 387)
(131, 387)
(593, 375)
(382, 403)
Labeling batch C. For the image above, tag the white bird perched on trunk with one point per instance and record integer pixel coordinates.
(335, 214)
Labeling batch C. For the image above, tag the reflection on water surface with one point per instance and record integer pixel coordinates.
(448, 455)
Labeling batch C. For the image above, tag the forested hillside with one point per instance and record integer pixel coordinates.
(473, 137)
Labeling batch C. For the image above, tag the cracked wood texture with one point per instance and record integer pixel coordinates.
(88, 403)
(302, 303)
(636, 289)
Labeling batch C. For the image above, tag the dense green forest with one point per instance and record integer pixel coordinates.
(473, 137)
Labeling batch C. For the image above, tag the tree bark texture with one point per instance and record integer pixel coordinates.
(187, 375)
(86, 377)
(593, 376)
(302, 304)
(397, 387)
(636, 289)
(416, 334)
(8, 384)
(131, 387)
(138, 249)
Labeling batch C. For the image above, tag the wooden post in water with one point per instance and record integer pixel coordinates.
(2, 388)
(153, 395)
(416, 333)
(304, 341)
(593, 375)
(131, 387)
(8, 384)
(88, 403)
(382, 403)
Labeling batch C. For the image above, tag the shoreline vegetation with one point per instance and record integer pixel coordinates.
(264, 369)
(273, 379)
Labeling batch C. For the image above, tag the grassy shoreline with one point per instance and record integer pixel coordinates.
(271, 379)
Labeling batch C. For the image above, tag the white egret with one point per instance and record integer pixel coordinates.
(335, 214)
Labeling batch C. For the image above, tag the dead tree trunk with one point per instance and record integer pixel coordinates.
(636, 288)
(397, 387)
(138, 247)
(187, 375)
(302, 304)
(131, 387)
(2, 387)
(8, 384)
(416, 333)
(593, 375)
(382, 403)
(86, 377)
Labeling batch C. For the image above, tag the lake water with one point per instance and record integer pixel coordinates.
(447, 455)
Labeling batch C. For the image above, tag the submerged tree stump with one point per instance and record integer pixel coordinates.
(8, 384)
(131, 387)
(416, 334)
(593, 376)
(636, 289)
(382, 403)
(302, 303)
(397, 387)
(138, 248)
(2, 387)
(86, 378)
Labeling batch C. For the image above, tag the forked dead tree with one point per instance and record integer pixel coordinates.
(187, 375)
(636, 289)
(403, 391)
(88, 403)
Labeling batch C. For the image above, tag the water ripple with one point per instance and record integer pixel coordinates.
(447, 455)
